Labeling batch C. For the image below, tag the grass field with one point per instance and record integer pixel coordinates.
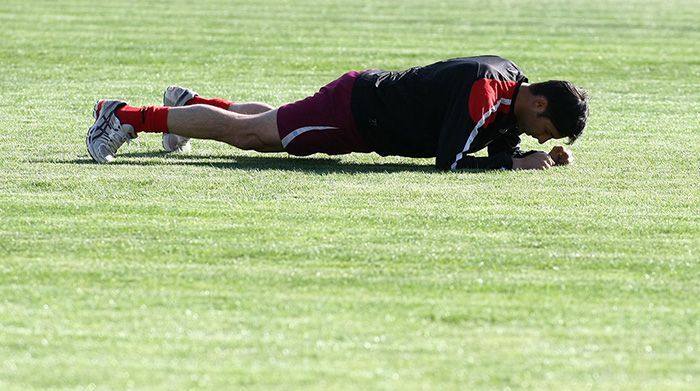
(224, 269)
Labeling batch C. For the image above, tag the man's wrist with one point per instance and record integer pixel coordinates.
(500, 161)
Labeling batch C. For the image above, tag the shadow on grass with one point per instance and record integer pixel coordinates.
(262, 162)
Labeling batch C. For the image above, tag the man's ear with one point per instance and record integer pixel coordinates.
(540, 103)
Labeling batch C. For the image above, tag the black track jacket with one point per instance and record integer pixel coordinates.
(445, 110)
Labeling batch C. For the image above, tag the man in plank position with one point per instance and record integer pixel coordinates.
(447, 110)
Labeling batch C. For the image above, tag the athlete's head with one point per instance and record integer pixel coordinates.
(551, 110)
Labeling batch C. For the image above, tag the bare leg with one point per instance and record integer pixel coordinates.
(250, 108)
(244, 131)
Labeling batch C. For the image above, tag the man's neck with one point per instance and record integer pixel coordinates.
(521, 101)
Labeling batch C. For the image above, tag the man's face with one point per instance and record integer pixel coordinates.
(542, 129)
(534, 124)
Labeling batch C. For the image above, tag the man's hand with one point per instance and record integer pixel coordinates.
(561, 156)
(539, 160)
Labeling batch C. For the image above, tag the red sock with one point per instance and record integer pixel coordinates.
(216, 102)
(145, 119)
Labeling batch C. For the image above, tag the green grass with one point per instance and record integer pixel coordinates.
(224, 269)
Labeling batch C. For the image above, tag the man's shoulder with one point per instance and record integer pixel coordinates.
(499, 66)
(486, 59)
(487, 67)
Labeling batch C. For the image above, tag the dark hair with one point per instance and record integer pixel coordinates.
(567, 106)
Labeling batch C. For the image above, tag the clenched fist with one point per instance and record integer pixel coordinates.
(561, 156)
(534, 161)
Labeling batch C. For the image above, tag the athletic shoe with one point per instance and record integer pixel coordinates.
(107, 134)
(175, 96)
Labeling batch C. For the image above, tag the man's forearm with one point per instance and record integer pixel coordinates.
(498, 161)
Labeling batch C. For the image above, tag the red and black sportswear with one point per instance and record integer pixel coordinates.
(446, 110)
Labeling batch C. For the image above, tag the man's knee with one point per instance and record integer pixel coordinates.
(256, 132)
(252, 138)
(246, 141)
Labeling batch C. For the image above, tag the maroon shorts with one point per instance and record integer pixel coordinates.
(322, 122)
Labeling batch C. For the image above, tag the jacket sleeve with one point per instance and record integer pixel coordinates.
(501, 153)
(507, 147)
(499, 161)
(509, 142)
(485, 100)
